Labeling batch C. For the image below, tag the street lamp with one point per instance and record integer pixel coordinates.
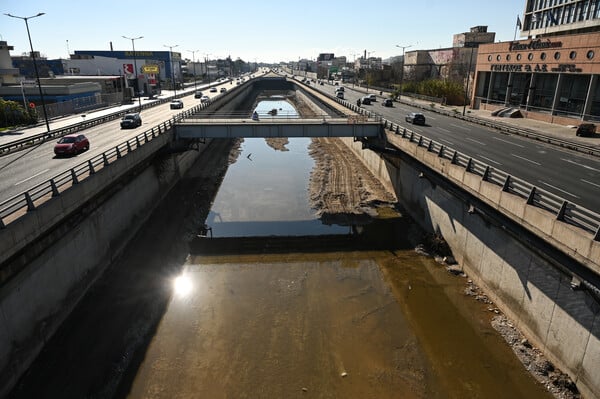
(194, 63)
(135, 70)
(402, 74)
(206, 66)
(368, 74)
(37, 75)
(172, 69)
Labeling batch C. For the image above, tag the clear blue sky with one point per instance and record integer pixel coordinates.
(261, 30)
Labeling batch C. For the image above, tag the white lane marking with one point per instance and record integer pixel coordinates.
(556, 188)
(578, 164)
(508, 142)
(589, 182)
(31, 177)
(444, 130)
(475, 141)
(447, 141)
(460, 127)
(525, 159)
(490, 160)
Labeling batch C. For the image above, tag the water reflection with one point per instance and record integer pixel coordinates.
(276, 107)
(265, 192)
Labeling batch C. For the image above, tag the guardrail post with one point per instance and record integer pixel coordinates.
(104, 159)
(486, 174)
(469, 164)
(561, 212)
(420, 143)
(74, 176)
(128, 146)
(506, 185)
(596, 236)
(118, 152)
(137, 142)
(55, 192)
(430, 146)
(454, 158)
(404, 133)
(412, 135)
(146, 137)
(91, 166)
(531, 196)
(30, 204)
(2, 225)
(441, 151)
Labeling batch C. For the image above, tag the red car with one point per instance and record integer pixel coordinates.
(71, 144)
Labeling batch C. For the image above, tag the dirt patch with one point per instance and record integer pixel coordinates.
(341, 189)
(277, 143)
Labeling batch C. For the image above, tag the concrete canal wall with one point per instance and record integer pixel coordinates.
(521, 275)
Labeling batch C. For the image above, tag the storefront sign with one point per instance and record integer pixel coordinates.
(150, 69)
(535, 44)
(567, 68)
(534, 68)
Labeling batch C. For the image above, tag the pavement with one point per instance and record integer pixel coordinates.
(543, 129)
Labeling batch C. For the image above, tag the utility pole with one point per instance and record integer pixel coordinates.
(194, 62)
(172, 69)
(135, 70)
(402, 74)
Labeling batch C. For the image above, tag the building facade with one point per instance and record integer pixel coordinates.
(552, 74)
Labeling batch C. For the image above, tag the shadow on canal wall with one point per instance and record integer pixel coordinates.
(525, 276)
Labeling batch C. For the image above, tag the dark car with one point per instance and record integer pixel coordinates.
(387, 103)
(175, 104)
(415, 118)
(366, 100)
(223, 90)
(198, 94)
(131, 121)
(586, 129)
(213, 89)
(71, 144)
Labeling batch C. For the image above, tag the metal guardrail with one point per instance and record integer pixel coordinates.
(17, 206)
(563, 210)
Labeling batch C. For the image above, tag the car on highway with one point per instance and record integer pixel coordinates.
(176, 104)
(71, 144)
(416, 118)
(198, 94)
(205, 99)
(366, 100)
(387, 103)
(339, 94)
(213, 89)
(130, 121)
(372, 97)
(341, 88)
(223, 90)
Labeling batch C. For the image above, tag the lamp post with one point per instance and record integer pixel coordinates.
(194, 63)
(135, 70)
(37, 75)
(206, 66)
(402, 74)
(368, 74)
(172, 69)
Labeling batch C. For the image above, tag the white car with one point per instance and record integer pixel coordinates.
(205, 99)
(175, 104)
(372, 97)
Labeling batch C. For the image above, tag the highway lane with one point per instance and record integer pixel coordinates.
(572, 176)
(22, 170)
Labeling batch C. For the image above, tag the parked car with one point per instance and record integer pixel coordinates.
(223, 90)
(213, 89)
(71, 144)
(198, 94)
(387, 103)
(205, 99)
(586, 129)
(366, 100)
(131, 121)
(177, 103)
(416, 118)
(372, 97)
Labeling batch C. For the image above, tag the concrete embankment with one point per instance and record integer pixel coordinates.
(523, 275)
(61, 249)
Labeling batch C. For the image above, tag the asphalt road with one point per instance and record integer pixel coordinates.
(572, 176)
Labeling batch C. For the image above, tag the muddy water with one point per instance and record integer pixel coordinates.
(389, 324)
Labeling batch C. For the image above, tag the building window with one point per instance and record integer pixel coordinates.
(557, 55)
(489, 57)
(498, 57)
(507, 57)
(590, 54)
(572, 55)
(519, 57)
(530, 56)
(543, 56)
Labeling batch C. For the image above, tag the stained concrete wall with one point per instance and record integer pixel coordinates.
(36, 301)
(527, 285)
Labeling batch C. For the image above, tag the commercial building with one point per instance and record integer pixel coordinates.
(552, 74)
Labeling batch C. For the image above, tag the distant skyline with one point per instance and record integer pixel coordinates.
(264, 31)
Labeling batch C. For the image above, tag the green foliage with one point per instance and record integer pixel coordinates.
(12, 113)
(452, 91)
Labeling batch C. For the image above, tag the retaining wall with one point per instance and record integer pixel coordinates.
(522, 279)
(40, 296)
